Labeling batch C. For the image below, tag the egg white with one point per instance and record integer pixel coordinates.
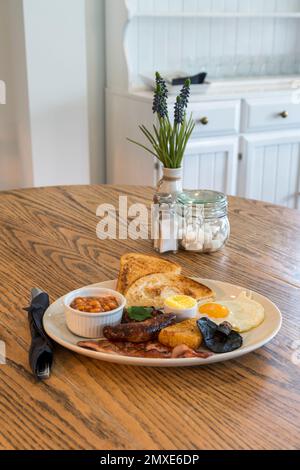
(244, 315)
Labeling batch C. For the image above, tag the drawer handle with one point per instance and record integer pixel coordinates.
(284, 114)
(204, 121)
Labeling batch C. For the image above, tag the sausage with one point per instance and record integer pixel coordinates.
(139, 332)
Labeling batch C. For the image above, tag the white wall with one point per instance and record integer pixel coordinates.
(10, 171)
(57, 89)
(95, 37)
(19, 86)
(54, 66)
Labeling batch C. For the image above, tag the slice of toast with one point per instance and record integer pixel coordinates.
(152, 290)
(135, 265)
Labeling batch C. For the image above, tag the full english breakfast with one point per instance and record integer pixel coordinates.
(168, 315)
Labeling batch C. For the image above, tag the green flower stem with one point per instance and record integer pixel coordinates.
(168, 141)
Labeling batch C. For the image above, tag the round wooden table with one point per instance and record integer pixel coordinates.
(48, 239)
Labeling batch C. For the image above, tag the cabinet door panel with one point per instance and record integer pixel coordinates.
(295, 177)
(206, 173)
(191, 168)
(284, 189)
(272, 168)
(211, 165)
(268, 172)
(256, 172)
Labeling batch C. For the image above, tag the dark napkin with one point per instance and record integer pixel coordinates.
(41, 349)
(198, 79)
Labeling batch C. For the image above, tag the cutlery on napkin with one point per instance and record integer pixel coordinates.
(41, 349)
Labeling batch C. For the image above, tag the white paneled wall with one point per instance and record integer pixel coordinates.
(223, 37)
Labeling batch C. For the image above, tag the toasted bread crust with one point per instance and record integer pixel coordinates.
(135, 265)
(153, 289)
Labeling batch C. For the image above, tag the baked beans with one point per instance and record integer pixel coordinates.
(95, 304)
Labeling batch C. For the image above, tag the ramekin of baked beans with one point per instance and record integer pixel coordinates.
(106, 303)
(90, 309)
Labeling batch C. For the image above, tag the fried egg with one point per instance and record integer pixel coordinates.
(243, 313)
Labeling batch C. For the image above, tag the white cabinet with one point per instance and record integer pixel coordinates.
(270, 165)
(265, 114)
(210, 161)
(226, 38)
(270, 168)
(211, 164)
(251, 105)
(215, 117)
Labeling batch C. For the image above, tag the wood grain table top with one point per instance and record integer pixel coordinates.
(48, 239)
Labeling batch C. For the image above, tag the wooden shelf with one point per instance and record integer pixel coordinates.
(292, 15)
(225, 43)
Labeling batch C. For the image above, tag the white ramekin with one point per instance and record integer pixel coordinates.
(91, 325)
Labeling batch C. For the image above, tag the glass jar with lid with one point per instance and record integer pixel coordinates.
(204, 226)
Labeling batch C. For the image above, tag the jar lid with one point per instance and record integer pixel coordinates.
(214, 202)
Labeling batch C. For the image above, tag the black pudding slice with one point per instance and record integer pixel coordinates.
(219, 338)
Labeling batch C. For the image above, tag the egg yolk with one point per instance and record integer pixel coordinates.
(214, 310)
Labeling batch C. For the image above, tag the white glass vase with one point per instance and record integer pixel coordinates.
(171, 182)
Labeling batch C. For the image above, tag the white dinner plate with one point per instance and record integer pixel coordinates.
(55, 326)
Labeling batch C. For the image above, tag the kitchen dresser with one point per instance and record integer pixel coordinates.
(247, 136)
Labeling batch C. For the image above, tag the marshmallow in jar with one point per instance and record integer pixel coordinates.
(205, 226)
